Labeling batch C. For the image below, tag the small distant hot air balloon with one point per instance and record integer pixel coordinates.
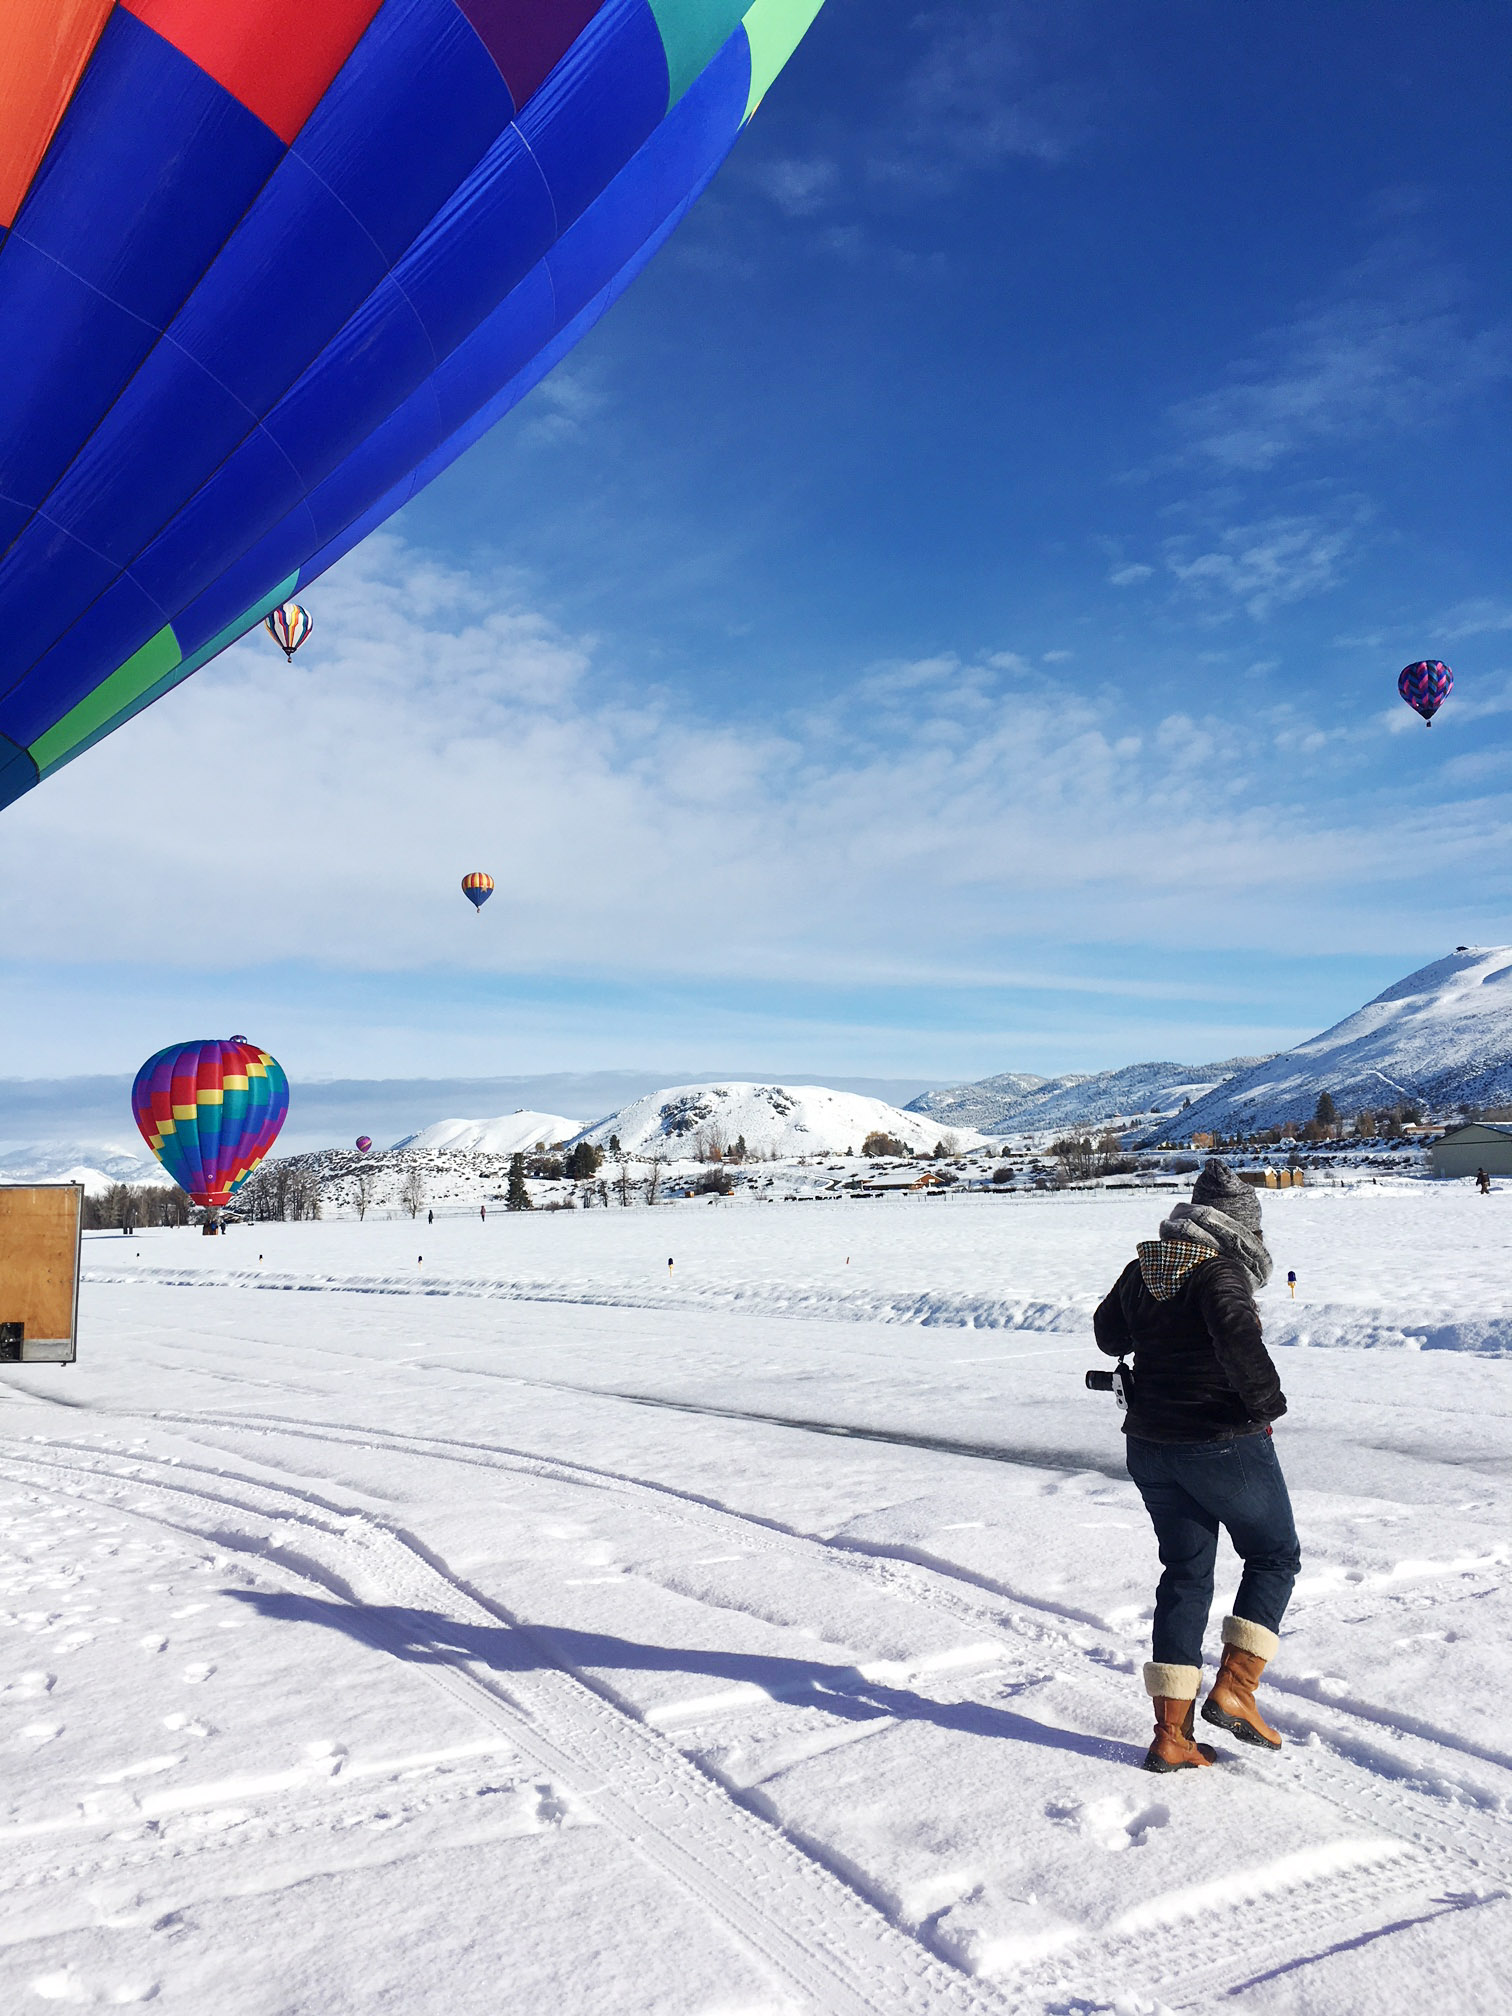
(477, 888)
(210, 1111)
(288, 626)
(364, 1142)
(1425, 687)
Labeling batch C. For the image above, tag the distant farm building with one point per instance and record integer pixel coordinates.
(1478, 1146)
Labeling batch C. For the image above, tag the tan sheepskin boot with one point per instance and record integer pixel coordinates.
(1247, 1649)
(1173, 1693)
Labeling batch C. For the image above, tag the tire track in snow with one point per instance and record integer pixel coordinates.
(830, 1949)
(1435, 1840)
(912, 1573)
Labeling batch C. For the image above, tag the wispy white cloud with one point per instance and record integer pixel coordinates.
(1396, 353)
(1129, 575)
(1478, 617)
(1260, 567)
(991, 85)
(932, 820)
(799, 188)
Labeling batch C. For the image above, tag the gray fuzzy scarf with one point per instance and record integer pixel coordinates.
(1206, 1225)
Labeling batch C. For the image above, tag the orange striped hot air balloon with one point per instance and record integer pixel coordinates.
(477, 888)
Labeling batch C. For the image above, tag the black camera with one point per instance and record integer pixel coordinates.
(1120, 1383)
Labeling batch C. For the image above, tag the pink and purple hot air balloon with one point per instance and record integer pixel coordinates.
(364, 1142)
(1425, 687)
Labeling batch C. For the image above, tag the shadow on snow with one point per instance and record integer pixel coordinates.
(426, 1638)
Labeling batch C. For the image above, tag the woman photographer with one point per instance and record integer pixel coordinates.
(1199, 1448)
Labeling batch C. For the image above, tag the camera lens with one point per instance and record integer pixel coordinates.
(1100, 1382)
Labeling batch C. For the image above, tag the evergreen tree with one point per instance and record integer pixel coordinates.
(518, 1197)
(1326, 1113)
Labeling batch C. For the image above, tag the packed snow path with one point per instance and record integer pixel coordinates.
(472, 1654)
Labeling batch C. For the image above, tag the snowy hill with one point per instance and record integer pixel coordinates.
(1015, 1103)
(95, 1164)
(983, 1104)
(1440, 1038)
(782, 1120)
(509, 1134)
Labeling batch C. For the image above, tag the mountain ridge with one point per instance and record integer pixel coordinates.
(1434, 1040)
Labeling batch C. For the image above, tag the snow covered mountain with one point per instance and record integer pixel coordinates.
(984, 1103)
(684, 1120)
(95, 1164)
(509, 1134)
(1016, 1103)
(1440, 1038)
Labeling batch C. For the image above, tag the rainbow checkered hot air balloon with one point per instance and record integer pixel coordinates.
(1425, 687)
(267, 267)
(477, 888)
(288, 626)
(210, 1111)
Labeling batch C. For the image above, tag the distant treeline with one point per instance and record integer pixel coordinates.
(127, 1207)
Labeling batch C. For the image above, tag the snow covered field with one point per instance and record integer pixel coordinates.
(488, 1617)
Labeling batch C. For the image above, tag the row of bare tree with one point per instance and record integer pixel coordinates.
(128, 1207)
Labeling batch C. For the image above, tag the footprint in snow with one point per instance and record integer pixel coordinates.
(153, 1642)
(1113, 1824)
(201, 1669)
(64, 1986)
(35, 1734)
(28, 1687)
(180, 1724)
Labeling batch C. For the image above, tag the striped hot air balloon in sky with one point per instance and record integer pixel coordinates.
(210, 1111)
(477, 888)
(288, 625)
(364, 1142)
(268, 266)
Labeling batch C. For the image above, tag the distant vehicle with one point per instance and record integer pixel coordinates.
(1425, 687)
(477, 888)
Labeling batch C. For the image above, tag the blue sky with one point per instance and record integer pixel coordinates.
(944, 620)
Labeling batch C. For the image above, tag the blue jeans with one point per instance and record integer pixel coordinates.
(1190, 1489)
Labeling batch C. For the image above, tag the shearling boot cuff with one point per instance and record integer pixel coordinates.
(1172, 1683)
(1250, 1637)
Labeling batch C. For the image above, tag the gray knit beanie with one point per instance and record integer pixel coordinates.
(1219, 1186)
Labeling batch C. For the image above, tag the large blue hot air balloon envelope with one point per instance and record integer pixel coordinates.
(267, 268)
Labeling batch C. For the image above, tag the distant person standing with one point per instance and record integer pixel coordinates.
(483, 1213)
(1483, 1182)
(1199, 1448)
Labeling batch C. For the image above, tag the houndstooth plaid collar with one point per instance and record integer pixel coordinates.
(1166, 1263)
